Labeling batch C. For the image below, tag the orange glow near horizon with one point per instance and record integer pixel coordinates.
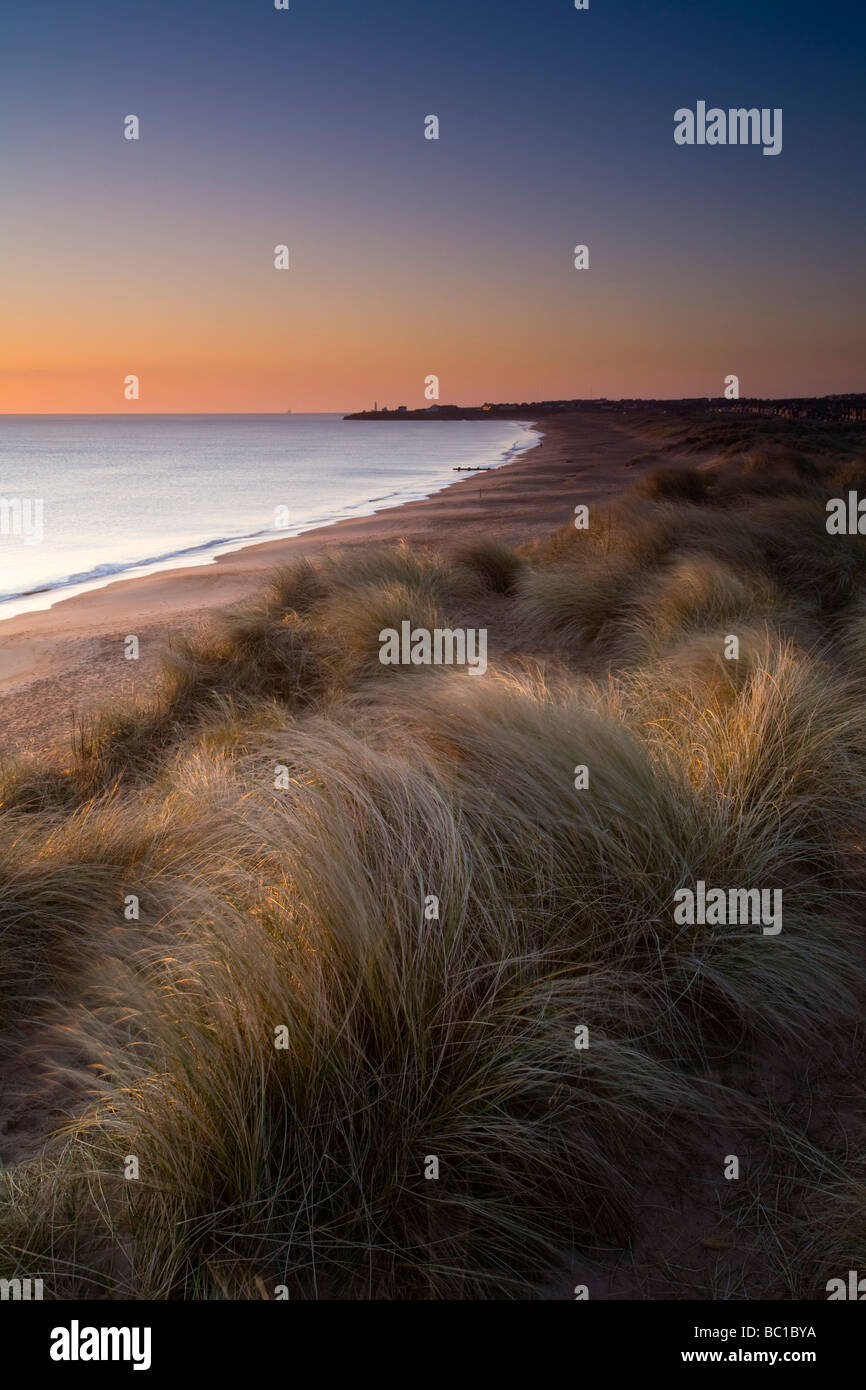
(194, 306)
(323, 358)
(412, 257)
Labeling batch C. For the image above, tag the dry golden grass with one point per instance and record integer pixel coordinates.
(286, 808)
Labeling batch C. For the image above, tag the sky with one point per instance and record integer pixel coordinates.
(411, 257)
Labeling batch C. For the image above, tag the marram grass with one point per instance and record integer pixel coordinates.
(286, 810)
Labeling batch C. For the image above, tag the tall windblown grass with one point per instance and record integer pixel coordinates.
(396, 875)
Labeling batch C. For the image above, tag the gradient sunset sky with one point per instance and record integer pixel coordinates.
(410, 256)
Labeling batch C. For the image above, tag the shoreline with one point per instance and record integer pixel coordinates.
(47, 596)
(62, 662)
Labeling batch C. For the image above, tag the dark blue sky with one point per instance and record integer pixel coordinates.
(305, 127)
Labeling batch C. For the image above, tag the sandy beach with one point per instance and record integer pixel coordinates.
(62, 663)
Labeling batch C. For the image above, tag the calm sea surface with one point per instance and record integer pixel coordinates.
(88, 498)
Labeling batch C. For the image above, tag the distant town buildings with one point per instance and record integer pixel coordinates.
(847, 408)
(851, 409)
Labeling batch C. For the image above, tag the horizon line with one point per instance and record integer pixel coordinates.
(552, 400)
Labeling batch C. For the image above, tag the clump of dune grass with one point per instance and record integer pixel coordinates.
(802, 557)
(48, 906)
(344, 571)
(244, 657)
(790, 463)
(641, 533)
(695, 593)
(27, 785)
(673, 484)
(353, 621)
(774, 470)
(253, 654)
(294, 588)
(849, 476)
(575, 606)
(826, 1233)
(497, 566)
(851, 641)
(695, 666)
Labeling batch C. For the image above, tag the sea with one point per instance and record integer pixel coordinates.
(86, 500)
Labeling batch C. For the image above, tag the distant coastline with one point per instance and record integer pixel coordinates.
(850, 407)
